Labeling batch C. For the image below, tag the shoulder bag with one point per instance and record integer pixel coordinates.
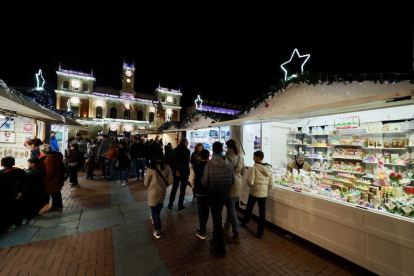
(162, 176)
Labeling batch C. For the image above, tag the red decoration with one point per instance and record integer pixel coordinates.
(392, 174)
(184, 127)
(266, 105)
(399, 176)
(191, 122)
(205, 117)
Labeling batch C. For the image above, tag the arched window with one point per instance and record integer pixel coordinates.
(85, 87)
(65, 85)
(175, 101)
(99, 112)
(113, 113)
(127, 114)
(140, 115)
(151, 117)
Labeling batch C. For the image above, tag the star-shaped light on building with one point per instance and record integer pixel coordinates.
(37, 78)
(297, 52)
(199, 103)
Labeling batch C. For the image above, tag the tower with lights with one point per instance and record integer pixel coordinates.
(128, 78)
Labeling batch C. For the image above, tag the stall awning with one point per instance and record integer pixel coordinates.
(145, 131)
(73, 124)
(13, 101)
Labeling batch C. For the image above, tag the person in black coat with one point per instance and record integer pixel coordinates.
(74, 157)
(142, 154)
(12, 182)
(180, 166)
(123, 162)
(33, 195)
(167, 150)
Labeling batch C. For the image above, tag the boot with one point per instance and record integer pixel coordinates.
(233, 239)
(226, 230)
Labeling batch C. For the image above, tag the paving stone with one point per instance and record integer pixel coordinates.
(119, 194)
(21, 236)
(150, 265)
(55, 231)
(133, 207)
(100, 212)
(132, 229)
(87, 225)
(57, 218)
(140, 216)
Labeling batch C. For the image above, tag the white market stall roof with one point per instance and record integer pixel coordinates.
(73, 124)
(304, 101)
(12, 101)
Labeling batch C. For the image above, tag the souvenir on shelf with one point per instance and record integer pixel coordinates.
(322, 143)
(346, 139)
(333, 141)
(371, 143)
(294, 130)
(360, 141)
(305, 130)
(321, 130)
(379, 143)
(350, 122)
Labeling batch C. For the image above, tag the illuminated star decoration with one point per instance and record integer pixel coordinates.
(199, 103)
(296, 50)
(37, 78)
(196, 119)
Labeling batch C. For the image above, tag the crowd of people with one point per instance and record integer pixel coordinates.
(216, 182)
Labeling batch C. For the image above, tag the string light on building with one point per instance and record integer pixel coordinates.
(169, 112)
(99, 103)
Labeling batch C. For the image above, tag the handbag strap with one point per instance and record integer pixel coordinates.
(238, 159)
(162, 176)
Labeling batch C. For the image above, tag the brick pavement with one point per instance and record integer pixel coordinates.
(140, 192)
(186, 254)
(81, 254)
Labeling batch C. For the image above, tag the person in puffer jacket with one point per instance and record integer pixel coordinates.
(218, 178)
(260, 180)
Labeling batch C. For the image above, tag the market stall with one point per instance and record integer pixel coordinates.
(359, 140)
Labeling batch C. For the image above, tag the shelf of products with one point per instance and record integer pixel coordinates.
(387, 148)
(361, 173)
(328, 159)
(356, 159)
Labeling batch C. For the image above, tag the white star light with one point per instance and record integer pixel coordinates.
(37, 78)
(198, 100)
(296, 50)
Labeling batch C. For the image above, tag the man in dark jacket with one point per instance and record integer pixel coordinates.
(167, 151)
(200, 191)
(217, 179)
(104, 148)
(33, 195)
(12, 182)
(180, 166)
(134, 156)
(142, 154)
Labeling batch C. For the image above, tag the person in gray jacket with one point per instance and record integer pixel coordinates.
(218, 178)
(104, 148)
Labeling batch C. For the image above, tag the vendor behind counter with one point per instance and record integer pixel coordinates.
(299, 164)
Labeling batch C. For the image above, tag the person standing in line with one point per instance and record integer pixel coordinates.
(195, 159)
(237, 162)
(82, 147)
(158, 179)
(123, 164)
(33, 145)
(260, 180)
(134, 156)
(196, 173)
(52, 183)
(12, 182)
(112, 155)
(72, 165)
(53, 141)
(103, 149)
(180, 163)
(142, 153)
(167, 152)
(218, 178)
(90, 162)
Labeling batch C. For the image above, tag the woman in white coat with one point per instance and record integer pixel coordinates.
(237, 161)
(159, 177)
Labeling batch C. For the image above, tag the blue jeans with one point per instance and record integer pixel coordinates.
(203, 211)
(156, 211)
(141, 162)
(231, 217)
(89, 173)
(113, 164)
(134, 167)
(123, 175)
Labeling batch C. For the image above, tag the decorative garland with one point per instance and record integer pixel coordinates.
(314, 78)
(218, 117)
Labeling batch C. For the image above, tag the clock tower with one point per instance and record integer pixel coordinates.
(128, 76)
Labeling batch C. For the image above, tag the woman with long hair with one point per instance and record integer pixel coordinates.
(237, 161)
(159, 177)
(52, 183)
(33, 145)
(195, 156)
(112, 155)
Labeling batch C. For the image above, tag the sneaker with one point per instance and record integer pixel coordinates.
(50, 210)
(201, 236)
(124, 183)
(194, 200)
(75, 185)
(119, 181)
(151, 219)
(12, 228)
(157, 234)
(181, 209)
(25, 221)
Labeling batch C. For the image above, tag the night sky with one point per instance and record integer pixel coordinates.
(228, 62)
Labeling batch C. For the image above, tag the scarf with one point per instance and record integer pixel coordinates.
(299, 165)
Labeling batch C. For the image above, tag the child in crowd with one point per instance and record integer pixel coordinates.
(200, 191)
(260, 180)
